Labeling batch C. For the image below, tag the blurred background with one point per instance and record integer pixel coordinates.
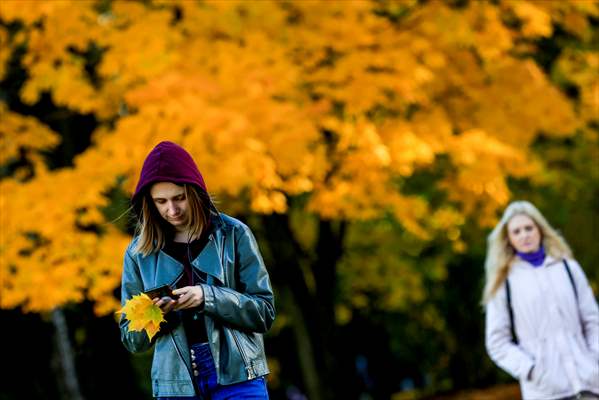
(370, 146)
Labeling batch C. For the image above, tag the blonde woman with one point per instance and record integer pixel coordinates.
(542, 319)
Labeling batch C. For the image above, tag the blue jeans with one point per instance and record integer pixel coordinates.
(204, 373)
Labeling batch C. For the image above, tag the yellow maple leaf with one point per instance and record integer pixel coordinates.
(152, 329)
(143, 314)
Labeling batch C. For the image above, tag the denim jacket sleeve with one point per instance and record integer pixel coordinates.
(250, 306)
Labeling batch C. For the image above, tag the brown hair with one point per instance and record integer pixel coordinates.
(153, 230)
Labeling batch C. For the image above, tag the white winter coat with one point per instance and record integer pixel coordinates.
(558, 334)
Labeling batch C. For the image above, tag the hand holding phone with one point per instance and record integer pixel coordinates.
(160, 292)
(189, 296)
(163, 297)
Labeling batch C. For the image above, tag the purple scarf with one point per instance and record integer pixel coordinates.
(535, 258)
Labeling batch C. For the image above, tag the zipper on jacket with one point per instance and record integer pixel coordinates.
(222, 259)
(172, 335)
(248, 367)
(193, 381)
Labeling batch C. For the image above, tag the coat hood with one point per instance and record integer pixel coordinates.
(167, 162)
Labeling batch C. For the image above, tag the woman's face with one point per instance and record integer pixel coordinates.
(171, 203)
(523, 234)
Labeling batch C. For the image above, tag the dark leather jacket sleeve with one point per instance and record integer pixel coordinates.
(131, 285)
(250, 306)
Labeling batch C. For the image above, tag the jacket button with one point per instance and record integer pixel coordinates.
(193, 358)
(196, 373)
(192, 352)
(193, 365)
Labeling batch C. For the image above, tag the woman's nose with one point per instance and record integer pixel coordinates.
(172, 209)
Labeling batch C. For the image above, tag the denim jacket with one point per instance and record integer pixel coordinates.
(238, 309)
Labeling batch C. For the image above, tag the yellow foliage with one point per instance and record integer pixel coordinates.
(143, 315)
(21, 133)
(4, 52)
(535, 21)
(570, 15)
(408, 150)
(329, 100)
(581, 68)
(483, 162)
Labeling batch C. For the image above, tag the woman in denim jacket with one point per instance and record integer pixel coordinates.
(211, 346)
(542, 319)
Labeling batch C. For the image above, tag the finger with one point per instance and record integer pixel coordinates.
(181, 305)
(163, 302)
(194, 300)
(181, 291)
(168, 307)
(181, 296)
(185, 302)
(171, 305)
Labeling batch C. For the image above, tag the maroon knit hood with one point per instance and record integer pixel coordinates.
(167, 162)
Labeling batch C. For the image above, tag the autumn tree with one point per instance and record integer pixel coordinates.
(310, 118)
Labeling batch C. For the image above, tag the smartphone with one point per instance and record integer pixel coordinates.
(161, 291)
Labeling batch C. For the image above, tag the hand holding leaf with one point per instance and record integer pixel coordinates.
(143, 314)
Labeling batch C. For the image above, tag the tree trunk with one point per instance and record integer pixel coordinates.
(305, 351)
(324, 269)
(68, 383)
(312, 312)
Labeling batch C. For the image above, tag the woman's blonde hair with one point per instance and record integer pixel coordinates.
(153, 230)
(500, 252)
